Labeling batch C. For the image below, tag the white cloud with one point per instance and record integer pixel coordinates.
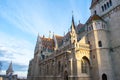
(18, 51)
(19, 73)
(22, 17)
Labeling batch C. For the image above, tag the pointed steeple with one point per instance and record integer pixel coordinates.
(72, 18)
(38, 37)
(10, 69)
(73, 34)
(73, 24)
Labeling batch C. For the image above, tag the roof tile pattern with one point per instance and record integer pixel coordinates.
(94, 17)
(79, 27)
(48, 44)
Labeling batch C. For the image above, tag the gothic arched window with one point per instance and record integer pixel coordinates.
(108, 5)
(102, 8)
(105, 6)
(65, 75)
(104, 77)
(110, 2)
(95, 12)
(85, 65)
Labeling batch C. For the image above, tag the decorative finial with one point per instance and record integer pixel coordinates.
(53, 33)
(38, 34)
(49, 34)
(72, 12)
(79, 21)
(72, 16)
(43, 36)
(73, 25)
(64, 33)
(38, 37)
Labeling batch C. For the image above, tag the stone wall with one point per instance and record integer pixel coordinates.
(114, 27)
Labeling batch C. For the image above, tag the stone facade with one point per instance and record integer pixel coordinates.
(89, 51)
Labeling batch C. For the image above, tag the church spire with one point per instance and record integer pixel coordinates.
(73, 24)
(73, 31)
(10, 69)
(38, 37)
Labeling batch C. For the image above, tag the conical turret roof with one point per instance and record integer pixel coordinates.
(73, 24)
(10, 69)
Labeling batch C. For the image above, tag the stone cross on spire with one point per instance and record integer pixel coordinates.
(10, 69)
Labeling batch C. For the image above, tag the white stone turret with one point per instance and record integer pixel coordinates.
(99, 41)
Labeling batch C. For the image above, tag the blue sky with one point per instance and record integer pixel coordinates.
(22, 20)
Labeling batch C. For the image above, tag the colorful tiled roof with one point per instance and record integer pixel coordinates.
(79, 28)
(67, 36)
(94, 17)
(48, 44)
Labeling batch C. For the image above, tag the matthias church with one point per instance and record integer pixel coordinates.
(89, 51)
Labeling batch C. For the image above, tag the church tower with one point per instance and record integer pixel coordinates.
(103, 7)
(100, 51)
(10, 70)
(109, 11)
